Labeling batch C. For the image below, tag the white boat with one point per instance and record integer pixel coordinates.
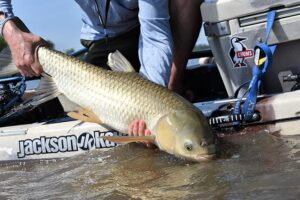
(66, 137)
(52, 140)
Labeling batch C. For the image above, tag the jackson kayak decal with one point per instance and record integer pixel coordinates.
(68, 143)
(239, 52)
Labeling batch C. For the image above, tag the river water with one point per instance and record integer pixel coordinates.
(253, 165)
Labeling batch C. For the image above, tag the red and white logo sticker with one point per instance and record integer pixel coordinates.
(239, 52)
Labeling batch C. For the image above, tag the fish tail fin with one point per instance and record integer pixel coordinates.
(7, 67)
(117, 62)
(46, 91)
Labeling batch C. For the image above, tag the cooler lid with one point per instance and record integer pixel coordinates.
(222, 10)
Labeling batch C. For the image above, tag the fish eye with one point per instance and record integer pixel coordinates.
(188, 146)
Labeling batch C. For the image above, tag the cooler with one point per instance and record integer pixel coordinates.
(234, 27)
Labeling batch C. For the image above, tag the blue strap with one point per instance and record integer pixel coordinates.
(258, 72)
(270, 22)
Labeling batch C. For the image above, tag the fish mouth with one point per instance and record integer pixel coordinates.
(206, 157)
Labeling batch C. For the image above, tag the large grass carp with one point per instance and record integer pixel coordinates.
(117, 98)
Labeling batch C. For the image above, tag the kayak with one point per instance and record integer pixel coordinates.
(66, 137)
(63, 138)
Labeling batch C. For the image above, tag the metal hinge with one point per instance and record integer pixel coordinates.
(217, 29)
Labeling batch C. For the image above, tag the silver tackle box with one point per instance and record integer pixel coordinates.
(234, 27)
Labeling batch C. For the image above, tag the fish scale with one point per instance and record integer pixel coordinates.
(117, 98)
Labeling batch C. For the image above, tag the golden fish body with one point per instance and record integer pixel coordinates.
(118, 98)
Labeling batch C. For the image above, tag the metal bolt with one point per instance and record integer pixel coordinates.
(255, 117)
(259, 39)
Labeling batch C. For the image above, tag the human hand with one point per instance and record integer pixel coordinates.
(23, 45)
(139, 128)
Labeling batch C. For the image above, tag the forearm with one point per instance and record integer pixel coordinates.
(13, 31)
(155, 47)
(6, 13)
(185, 23)
(23, 45)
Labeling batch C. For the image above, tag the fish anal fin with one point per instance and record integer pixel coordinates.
(85, 115)
(117, 62)
(129, 139)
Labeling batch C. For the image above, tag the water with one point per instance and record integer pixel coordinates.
(251, 166)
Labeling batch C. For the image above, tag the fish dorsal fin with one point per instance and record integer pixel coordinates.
(129, 139)
(7, 67)
(117, 62)
(85, 115)
(46, 91)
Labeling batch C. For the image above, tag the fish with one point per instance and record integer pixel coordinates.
(117, 97)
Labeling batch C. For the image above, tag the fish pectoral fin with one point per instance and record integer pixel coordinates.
(85, 116)
(129, 139)
(117, 62)
(46, 91)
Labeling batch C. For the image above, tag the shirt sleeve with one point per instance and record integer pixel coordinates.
(155, 43)
(6, 7)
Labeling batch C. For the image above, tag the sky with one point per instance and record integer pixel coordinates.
(55, 20)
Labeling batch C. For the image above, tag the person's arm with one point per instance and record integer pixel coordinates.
(186, 23)
(155, 50)
(156, 44)
(22, 43)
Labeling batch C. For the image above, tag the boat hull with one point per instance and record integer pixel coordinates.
(279, 114)
(48, 141)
